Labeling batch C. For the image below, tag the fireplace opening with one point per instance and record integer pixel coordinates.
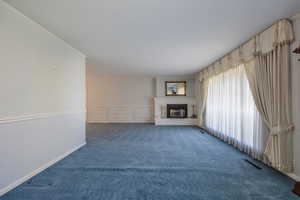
(177, 111)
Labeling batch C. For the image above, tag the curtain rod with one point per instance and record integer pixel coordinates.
(252, 37)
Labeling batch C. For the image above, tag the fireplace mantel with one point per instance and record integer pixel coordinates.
(160, 110)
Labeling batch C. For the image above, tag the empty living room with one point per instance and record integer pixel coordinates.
(149, 100)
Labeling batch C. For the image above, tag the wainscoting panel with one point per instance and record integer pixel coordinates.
(119, 114)
(31, 143)
(143, 113)
(99, 113)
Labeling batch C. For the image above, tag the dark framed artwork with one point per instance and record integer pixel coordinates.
(175, 88)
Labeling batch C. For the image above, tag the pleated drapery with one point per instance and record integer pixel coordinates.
(266, 59)
(269, 79)
(279, 33)
(202, 101)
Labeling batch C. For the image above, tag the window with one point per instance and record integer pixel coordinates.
(231, 113)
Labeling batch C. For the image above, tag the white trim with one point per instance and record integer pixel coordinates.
(127, 106)
(37, 171)
(176, 122)
(296, 16)
(28, 18)
(293, 176)
(113, 121)
(120, 114)
(20, 118)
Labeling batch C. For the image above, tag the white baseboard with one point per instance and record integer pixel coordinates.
(177, 122)
(113, 121)
(293, 176)
(37, 171)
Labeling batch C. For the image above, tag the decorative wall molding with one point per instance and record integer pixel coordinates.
(143, 113)
(37, 171)
(176, 122)
(36, 116)
(296, 16)
(293, 176)
(121, 114)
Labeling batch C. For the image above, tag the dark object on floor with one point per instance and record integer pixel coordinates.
(296, 189)
(203, 131)
(297, 50)
(253, 164)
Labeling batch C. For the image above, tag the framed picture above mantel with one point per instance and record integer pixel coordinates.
(175, 88)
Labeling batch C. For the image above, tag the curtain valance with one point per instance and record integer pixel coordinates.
(279, 33)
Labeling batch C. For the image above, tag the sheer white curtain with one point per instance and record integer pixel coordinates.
(231, 113)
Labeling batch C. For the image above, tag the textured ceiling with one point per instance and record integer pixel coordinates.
(157, 37)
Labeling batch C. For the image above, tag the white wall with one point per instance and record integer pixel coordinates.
(190, 84)
(162, 100)
(42, 99)
(296, 93)
(119, 98)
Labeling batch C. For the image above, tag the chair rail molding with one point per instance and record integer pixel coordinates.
(27, 117)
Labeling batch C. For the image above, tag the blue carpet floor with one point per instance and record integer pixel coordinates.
(147, 162)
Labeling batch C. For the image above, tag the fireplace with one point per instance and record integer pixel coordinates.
(177, 111)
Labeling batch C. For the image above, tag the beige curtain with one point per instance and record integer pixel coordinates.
(269, 79)
(269, 76)
(264, 42)
(202, 101)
